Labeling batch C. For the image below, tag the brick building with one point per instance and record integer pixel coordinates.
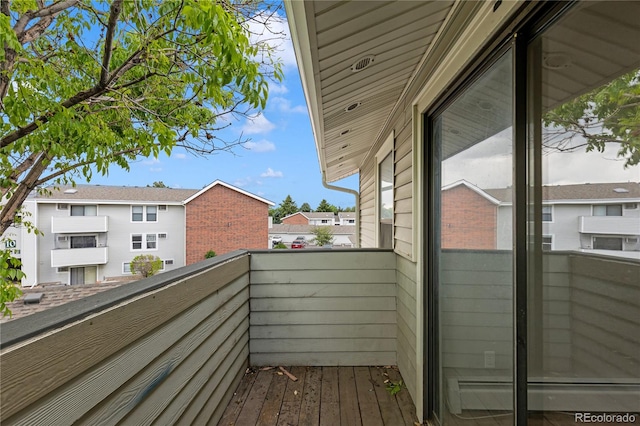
(469, 217)
(224, 218)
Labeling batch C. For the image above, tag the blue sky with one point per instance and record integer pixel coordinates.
(280, 159)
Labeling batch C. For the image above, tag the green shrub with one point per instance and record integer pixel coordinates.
(280, 246)
(145, 265)
(210, 254)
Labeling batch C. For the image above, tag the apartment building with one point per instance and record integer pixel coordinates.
(90, 233)
(600, 218)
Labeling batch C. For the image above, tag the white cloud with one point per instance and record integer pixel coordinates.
(270, 173)
(276, 35)
(257, 125)
(246, 181)
(180, 156)
(277, 89)
(150, 161)
(284, 105)
(155, 169)
(260, 146)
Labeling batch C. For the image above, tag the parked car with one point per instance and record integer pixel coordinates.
(298, 244)
(276, 239)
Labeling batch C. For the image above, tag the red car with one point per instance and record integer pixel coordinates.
(298, 244)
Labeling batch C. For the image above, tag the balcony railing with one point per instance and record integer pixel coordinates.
(613, 225)
(171, 349)
(79, 257)
(79, 224)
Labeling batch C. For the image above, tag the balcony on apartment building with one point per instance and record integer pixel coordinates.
(612, 225)
(173, 348)
(79, 256)
(79, 224)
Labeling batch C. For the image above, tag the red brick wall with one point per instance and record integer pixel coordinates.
(224, 220)
(296, 219)
(468, 220)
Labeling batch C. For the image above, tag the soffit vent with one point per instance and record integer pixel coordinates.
(363, 63)
(352, 106)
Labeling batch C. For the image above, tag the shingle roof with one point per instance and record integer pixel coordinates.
(117, 193)
(586, 191)
(347, 215)
(318, 215)
(55, 295)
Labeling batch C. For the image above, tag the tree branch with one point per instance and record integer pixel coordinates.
(116, 9)
(60, 172)
(49, 11)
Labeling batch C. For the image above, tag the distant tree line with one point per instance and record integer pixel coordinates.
(288, 207)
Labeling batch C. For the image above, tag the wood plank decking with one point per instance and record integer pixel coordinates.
(331, 396)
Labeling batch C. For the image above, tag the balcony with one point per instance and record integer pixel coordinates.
(79, 257)
(79, 224)
(173, 348)
(611, 225)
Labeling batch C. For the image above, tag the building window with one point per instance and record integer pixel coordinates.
(126, 268)
(84, 210)
(324, 221)
(151, 242)
(607, 243)
(152, 213)
(136, 242)
(83, 241)
(144, 213)
(137, 213)
(385, 202)
(608, 210)
(547, 242)
(546, 214)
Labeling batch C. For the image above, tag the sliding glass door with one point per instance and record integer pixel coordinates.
(473, 151)
(584, 216)
(563, 248)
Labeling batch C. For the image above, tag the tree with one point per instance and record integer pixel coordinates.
(145, 265)
(322, 235)
(158, 184)
(610, 113)
(305, 207)
(286, 208)
(85, 85)
(10, 273)
(324, 206)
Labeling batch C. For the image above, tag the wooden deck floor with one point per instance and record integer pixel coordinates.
(332, 396)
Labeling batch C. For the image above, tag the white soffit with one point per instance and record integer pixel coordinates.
(331, 38)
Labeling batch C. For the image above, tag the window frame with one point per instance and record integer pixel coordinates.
(385, 151)
(144, 242)
(144, 218)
